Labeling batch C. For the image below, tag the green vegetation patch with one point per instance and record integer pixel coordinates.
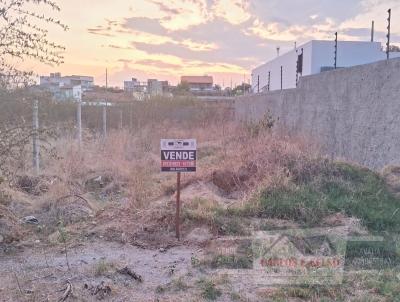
(310, 293)
(209, 291)
(231, 262)
(384, 283)
(315, 190)
(353, 190)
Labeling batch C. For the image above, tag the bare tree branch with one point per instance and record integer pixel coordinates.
(23, 35)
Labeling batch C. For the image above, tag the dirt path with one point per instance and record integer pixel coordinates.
(40, 274)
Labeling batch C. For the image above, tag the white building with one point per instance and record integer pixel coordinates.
(67, 92)
(141, 91)
(155, 87)
(67, 87)
(55, 79)
(131, 86)
(318, 56)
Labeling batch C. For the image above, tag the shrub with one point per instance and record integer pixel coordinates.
(264, 124)
(209, 291)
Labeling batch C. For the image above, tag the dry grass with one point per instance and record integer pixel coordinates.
(132, 159)
(132, 202)
(103, 267)
(127, 162)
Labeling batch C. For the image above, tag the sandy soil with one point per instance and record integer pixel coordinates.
(41, 272)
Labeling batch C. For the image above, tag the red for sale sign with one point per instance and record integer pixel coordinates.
(178, 155)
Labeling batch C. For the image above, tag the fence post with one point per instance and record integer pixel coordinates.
(35, 137)
(130, 116)
(105, 121)
(336, 50)
(79, 122)
(388, 34)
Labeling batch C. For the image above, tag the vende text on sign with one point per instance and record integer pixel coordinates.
(178, 155)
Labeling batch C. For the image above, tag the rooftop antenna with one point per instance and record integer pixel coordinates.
(372, 31)
(277, 50)
(388, 34)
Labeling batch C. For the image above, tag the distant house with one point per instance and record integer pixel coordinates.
(154, 87)
(142, 90)
(312, 58)
(165, 87)
(55, 79)
(198, 83)
(67, 87)
(68, 92)
(133, 86)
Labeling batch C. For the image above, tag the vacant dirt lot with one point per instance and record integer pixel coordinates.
(98, 222)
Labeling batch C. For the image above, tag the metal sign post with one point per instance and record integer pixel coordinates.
(178, 206)
(178, 155)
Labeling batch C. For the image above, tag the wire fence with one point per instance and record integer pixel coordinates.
(36, 119)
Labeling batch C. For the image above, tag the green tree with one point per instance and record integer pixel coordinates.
(241, 89)
(182, 89)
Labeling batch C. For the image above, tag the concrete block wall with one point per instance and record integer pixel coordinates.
(352, 113)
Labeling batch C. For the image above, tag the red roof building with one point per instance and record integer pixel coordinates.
(198, 83)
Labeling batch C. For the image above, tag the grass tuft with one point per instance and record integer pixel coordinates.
(350, 189)
(209, 291)
(103, 267)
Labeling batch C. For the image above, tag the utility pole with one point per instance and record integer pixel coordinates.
(130, 117)
(105, 110)
(336, 49)
(79, 122)
(244, 82)
(258, 84)
(281, 77)
(35, 137)
(121, 114)
(388, 34)
(372, 31)
(269, 80)
(297, 69)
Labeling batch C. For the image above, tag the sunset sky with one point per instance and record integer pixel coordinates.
(165, 39)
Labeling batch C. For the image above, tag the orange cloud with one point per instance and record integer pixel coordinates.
(233, 11)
